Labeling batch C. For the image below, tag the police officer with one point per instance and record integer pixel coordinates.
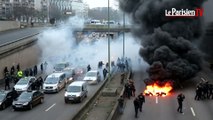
(136, 105)
(180, 99)
(141, 98)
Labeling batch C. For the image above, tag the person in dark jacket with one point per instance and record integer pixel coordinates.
(136, 105)
(41, 67)
(105, 73)
(14, 93)
(88, 68)
(18, 67)
(5, 71)
(12, 70)
(7, 81)
(35, 70)
(141, 98)
(180, 99)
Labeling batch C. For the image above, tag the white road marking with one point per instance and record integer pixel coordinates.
(50, 107)
(156, 100)
(203, 79)
(193, 112)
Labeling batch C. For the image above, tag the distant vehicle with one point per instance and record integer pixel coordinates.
(54, 82)
(69, 72)
(110, 22)
(27, 100)
(92, 77)
(95, 22)
(61, 66)
(6, 99)
(24, 84)
(76, 92)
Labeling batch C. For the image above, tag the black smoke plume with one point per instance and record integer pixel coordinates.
(167, 43)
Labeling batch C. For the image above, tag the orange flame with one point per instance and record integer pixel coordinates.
(156, 90)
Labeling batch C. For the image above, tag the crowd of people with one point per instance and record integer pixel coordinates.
(204, 90)
(16, 73)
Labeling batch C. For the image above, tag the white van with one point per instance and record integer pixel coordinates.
(76, 92)
(54, 82)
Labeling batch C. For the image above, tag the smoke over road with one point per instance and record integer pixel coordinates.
(59, 45)
(167, 43)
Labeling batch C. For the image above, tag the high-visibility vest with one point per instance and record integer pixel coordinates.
(20, 73)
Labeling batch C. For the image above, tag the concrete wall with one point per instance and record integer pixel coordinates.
(7, 25)
(26, 58)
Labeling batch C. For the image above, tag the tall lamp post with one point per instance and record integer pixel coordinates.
(124, 34)
(4, 5)
(109, 63)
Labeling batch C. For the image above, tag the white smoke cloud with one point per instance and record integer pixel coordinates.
(59, 45)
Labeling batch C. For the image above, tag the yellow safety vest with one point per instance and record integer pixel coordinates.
(20, 73)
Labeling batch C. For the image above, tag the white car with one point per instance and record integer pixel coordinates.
(24, 84)
(92, 77)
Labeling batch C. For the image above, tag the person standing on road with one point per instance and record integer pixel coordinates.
(7, 81)
(41, 67)
(105, 73)
(88, 68)
(5, 71)
(121, 104)
(35, 70)
(141, 98)
(136, 105)
(180, 99)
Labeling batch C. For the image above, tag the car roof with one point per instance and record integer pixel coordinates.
(77, 83)
(57, 74)
(28, 78)
(93, 71)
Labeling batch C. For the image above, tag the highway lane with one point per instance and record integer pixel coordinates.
(13, 35)
(53, 108)
(165, 108)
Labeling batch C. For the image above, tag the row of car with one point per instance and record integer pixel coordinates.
(76, 91)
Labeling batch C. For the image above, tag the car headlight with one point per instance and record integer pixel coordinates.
(0, 103)
(65, 94)
(54, 87)
(26, 103)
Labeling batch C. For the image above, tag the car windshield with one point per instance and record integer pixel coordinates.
(2, 95)
(51, 80)
(74, 89)
(23, 81)
(25, 96)
(91, 74)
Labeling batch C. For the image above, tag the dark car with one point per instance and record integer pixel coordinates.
(28, 99)
(6, 99)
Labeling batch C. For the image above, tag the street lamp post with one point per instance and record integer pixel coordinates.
(4, 5)
(123, 34)
(109, 63)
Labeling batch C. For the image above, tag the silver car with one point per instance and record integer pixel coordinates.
(24, 84)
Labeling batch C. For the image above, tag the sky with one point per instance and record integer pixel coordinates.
(101, 3)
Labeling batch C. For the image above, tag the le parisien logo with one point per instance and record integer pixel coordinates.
(198, 12)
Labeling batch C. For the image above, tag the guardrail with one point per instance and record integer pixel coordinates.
(11, 47)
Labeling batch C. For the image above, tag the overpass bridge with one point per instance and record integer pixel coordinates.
(104, 28)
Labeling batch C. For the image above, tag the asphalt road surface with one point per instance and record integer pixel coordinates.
(165, 108)
(9, 36)
(53, 108)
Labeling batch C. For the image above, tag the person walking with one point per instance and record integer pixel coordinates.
(180, 99)
(141, 98)
(41, 67)
(136, 105)
(121, 104)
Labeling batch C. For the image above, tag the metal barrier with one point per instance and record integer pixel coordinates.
(10, 47)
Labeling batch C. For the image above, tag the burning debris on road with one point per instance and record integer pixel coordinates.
(167, 43)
